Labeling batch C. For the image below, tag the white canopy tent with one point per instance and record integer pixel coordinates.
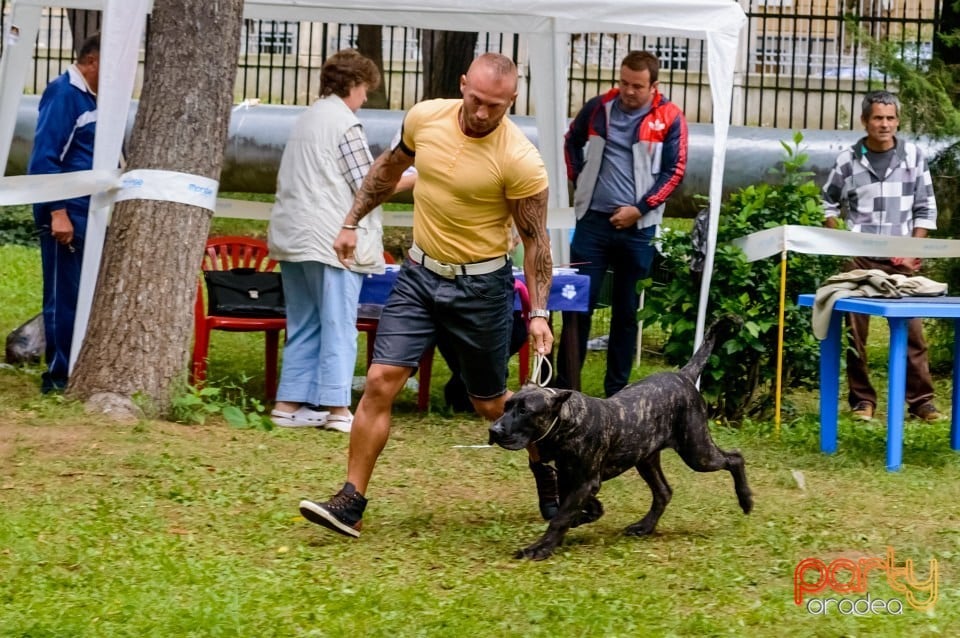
(546, 23)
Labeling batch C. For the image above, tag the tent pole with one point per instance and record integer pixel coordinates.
(783, 294)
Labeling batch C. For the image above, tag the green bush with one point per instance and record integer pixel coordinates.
(739, 381)
(16, 226)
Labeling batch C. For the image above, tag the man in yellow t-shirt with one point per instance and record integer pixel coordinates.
(477, 175)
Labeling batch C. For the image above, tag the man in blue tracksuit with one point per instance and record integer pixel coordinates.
(64, 143)
(635, 159)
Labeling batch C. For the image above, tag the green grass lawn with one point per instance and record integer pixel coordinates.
(164, 529)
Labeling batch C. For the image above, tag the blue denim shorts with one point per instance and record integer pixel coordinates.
(475, 313)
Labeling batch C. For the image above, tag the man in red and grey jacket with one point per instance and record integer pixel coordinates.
(635, 157)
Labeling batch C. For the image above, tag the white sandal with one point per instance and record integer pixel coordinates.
(339, 422)
(302, 417)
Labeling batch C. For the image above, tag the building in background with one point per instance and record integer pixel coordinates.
(801, 63)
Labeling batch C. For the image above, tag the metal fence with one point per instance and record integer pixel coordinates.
(803, 63)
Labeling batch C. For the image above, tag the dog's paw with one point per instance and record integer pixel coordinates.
(746, 501)
(537, 551)
(591, 511)
(640, 529)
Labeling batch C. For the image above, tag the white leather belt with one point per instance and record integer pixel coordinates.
(449, 271)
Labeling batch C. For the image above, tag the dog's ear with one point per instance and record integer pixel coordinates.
(562, 399)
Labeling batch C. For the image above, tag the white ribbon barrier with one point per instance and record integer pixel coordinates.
(27, 189)
(557, 218)
(168, 186)
(171, 186)
(830, 241)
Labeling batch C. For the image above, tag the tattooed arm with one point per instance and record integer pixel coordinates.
(378, 185)
(530, 220)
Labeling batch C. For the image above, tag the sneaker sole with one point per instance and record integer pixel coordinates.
(339, 423)
(338, 426)
(298, 424)
(316, 514)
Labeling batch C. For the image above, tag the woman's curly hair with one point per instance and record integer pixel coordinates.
(346, 69)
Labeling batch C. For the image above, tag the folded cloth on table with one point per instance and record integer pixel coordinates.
(867, 283)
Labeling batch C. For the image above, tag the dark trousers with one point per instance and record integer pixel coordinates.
(60, 266)
(919, 382)
(597, 247)
(455, 391)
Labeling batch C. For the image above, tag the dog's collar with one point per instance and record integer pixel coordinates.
(548, 429)
(551, 391)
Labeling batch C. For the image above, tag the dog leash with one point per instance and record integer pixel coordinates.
(535, 377)
(539, 362)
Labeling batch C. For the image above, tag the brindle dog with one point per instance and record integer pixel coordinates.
(593, 440)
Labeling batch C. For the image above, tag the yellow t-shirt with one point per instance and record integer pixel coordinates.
(460, 212)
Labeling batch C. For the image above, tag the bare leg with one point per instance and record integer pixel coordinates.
(491, 409)
(371, 422)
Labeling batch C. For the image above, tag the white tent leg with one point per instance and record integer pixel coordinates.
(13, 71)
(123, 25)
(640, 330)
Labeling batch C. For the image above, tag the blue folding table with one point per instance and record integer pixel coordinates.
(897, 313)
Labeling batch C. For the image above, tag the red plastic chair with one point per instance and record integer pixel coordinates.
(520, 289)
(224, 253)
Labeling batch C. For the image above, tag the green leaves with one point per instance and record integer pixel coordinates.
(927, 89)
(742, 384)
(196, 405)
(16, 226)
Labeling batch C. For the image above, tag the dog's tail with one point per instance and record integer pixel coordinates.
(726, 326)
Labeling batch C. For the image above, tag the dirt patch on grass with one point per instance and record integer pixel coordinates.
(45, 442)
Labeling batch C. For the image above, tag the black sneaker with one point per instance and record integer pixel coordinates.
(547, 490)
(342, 513)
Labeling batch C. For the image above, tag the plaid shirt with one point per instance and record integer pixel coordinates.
(893, 204)
(355, 159)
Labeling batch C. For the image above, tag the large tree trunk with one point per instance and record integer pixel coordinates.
(370, 44)
(83, 24)
(139, 332)
(446, 56)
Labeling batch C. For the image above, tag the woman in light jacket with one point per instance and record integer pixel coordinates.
(323, 165)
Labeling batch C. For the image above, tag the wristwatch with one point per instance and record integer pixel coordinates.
(540, 312)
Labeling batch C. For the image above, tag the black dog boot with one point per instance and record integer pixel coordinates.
(547, 490)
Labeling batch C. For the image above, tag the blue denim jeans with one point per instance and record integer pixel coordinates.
(597, 247)
(321, 349)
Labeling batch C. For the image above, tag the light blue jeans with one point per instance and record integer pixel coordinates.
(321, 349)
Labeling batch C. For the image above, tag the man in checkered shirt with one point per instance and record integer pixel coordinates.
(883, 186)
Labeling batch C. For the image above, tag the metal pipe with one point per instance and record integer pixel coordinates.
(258, 134)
